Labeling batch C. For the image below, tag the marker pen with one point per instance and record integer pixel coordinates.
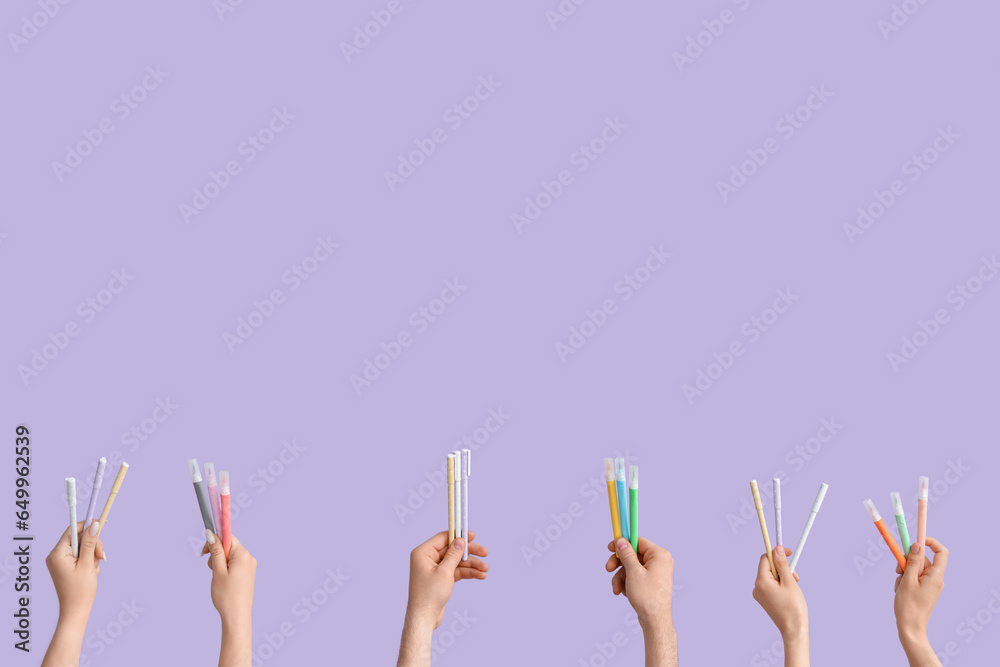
(609, 474)
(98, 478)
(776, 488)
(115, 487)
(458, 493)
(904, 532)
(886, 535)
(633, 506)
(213, 492)
(451, 498)
(622, 495)
(466, 471)
(809, 524)
(199, 491)
(763, 525)
(226, 529)
(924, 483)
(74, 538)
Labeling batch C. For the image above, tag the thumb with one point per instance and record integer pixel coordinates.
(89, 544)
(627, 556)
(913, 562)
(217, 557)
(453, 556)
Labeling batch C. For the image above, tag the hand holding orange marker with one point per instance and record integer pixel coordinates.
(886, 535)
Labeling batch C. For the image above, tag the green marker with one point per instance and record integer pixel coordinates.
(904, 533)
(633, 506)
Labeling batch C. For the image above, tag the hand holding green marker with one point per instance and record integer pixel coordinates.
(904, 533)
(633, 506)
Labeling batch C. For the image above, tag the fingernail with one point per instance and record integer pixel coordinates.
(95, 528)
(104, 557)
(621, 544)
(209, 536)
(915, 547)
(458, 544)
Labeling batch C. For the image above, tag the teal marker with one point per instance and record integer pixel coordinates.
(620, 486)
(904, 533)
(633, 506)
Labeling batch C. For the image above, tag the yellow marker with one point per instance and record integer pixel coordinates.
(451, 498)
(111, 497)
(763, 526)
(609, 473)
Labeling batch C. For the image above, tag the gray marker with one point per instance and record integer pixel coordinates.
(199, 490)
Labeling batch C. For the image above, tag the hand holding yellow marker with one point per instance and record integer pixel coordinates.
(111, 496)
(609, 474)
(763, 526)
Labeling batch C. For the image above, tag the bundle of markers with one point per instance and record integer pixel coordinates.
(214, 502)
(904, 533)
(624, 505)
(459, 469)
(74, 537)
(776, 486)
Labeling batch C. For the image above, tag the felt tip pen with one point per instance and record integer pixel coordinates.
(809, 524)
(466, 472)
(776, 488)
(98, 478)
(115, 488)
(458, 493)
(904, 532)
(763, 525)
(924, 483)
(202, 495)
(451, 498)
(74, 537)
(633, 507)
(213, 492)
(226, 529)
(622, 495)
(609, 475)
(886, 535)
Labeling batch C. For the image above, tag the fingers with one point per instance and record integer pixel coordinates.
(914, 560)
(473, 564)
(453, 556)
(646, 546)
(613, 563)
(781, 564)
(940, 554)
(618, 582)
(217, 559)
(764, 569)
(629, 559)
(88, 544)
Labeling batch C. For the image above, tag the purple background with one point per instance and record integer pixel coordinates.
(495, 346)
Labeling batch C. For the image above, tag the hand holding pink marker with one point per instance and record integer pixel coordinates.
(225, 523)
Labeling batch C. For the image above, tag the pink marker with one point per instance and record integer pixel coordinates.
(225, 531)
(213, 494)
(922, 517)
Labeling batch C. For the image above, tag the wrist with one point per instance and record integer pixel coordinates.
(421, 618)
(657, 623)
(795, 635)
(913, 638)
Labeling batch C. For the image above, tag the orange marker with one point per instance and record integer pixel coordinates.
(609, 474)
(886, 535)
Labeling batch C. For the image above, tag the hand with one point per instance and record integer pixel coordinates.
(434, 569)
(916, 594)
(75, 579)
(646, 579)
(232, 581)
(782, 598)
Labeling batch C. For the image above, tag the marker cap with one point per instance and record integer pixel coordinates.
(609, 470)
(870, 506)
(897, 503)
(620, 467)
(776, 487)
(224, 482)
(924, 483)
(820, 496)
(71, 490)
(193, 466)
(466, 463)
(210, 473)
(633, 472)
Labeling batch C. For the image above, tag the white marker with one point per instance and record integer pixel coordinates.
(74, 539)
(776, 487)
(809, 524)
(98, 478)
(466, 471)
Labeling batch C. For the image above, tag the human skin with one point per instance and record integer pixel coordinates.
(916, 594)
(75, 581)
(434, 568)
(646, 579)
(785, 604)
(232, 595)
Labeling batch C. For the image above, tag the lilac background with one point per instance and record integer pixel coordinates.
(333, 506)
